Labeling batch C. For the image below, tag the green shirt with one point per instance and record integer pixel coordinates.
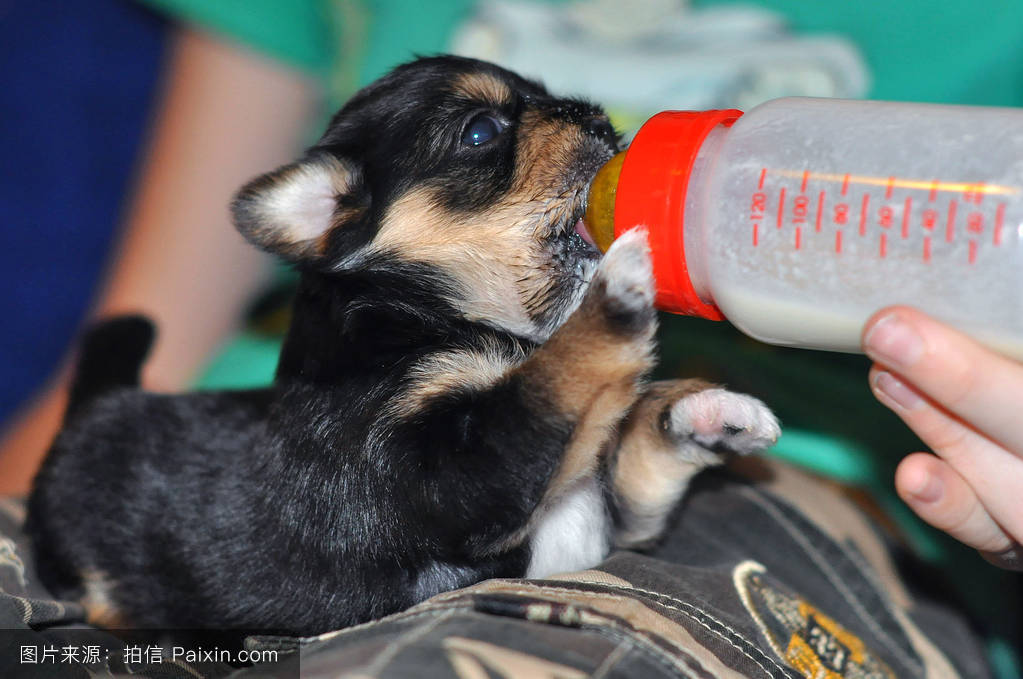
(918, 50)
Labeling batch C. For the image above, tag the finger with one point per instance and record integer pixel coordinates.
(974, 383)
(994, 474)
(942, 498)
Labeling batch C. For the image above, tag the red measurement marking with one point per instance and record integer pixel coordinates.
(841, 213)
(758, 203)
(781, 207)
(934, 191)
(884, 216)
(800, 207)
(863, 214)
(973, 251)
(838, 241)
(845, 185)
(975, 222)
(927, 248)
(884, 244)
(799, 238)
(999, 220)
(820, 210)
(951, 224)
(756, 234)
(891, 186)
(806, 176)
(763, 174)
(906, 209)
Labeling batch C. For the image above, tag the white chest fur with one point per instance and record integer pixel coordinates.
(572, 534)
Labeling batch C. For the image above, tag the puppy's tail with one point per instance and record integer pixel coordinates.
(111, 354)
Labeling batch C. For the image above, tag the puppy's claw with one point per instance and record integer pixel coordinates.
(720, 421)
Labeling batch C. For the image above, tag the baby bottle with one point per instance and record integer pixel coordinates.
(798, 220)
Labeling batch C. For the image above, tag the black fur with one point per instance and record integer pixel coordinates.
(447, 390)
(299, 508)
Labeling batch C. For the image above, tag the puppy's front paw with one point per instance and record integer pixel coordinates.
(716, 421)
(623, 286)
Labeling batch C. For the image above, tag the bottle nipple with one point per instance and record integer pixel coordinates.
(646, 186)
(600, 205)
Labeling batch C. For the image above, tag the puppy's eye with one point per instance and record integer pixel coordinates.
(482, 129)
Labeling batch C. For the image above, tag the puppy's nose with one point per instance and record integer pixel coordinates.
(601, 129)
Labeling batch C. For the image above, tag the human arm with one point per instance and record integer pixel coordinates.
(226, 114)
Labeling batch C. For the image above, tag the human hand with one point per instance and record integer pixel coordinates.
(964, 401)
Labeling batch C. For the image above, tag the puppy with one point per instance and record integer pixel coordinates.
(460, 395)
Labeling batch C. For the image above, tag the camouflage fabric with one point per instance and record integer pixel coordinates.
(773, 577)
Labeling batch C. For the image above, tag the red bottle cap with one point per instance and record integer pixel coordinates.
(652, 192)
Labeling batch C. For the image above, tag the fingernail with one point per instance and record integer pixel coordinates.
(1010, 559)
(894, 342)
(926, 488)
(893, 388)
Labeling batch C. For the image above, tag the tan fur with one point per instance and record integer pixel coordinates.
(445, 372)
(546, 152)
(649, 476)
(593, 374)
(496, 256)
(483, 87)
(485, 254)
(100, 609)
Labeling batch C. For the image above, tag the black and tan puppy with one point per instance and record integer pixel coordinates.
(460, 396)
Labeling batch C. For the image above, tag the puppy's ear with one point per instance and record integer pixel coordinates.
(293, 210)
